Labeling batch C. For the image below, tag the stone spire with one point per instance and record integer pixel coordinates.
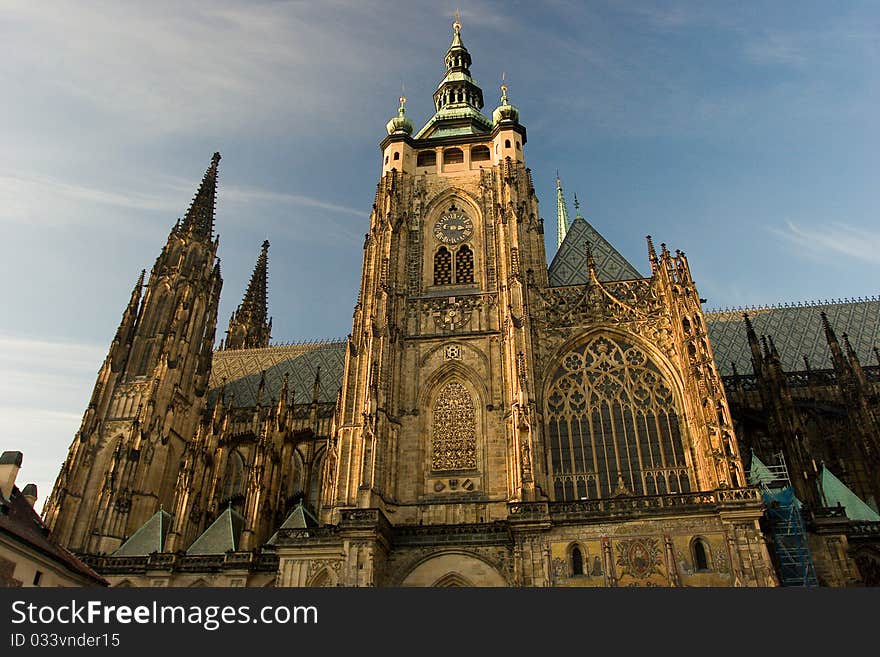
(248, 327)
(152, 385)
(199, 219)
(562, 222)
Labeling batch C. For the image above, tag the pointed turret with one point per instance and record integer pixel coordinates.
(652, 254)
(125, 332)
(250, 327)
(855, 363)
(754, 346)
(562, 223)
(841, 365)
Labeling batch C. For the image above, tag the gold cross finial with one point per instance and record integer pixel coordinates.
(503, 85)
(457, 24)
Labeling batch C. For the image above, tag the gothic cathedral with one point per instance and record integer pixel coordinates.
(488, 421)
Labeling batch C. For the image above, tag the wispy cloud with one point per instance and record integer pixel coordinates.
(37, 199)
(235, 194)
(832, 238)
(174, 68)
(57, 354)
(44, 385)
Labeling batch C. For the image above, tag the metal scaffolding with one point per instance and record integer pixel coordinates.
(785, 523)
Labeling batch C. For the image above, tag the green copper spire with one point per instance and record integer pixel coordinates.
(458, 100)
(577, 208)
(562, 223)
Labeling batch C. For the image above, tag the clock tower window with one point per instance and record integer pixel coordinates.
(443, 267)
(464, 265)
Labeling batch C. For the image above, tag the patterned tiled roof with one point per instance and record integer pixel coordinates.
(796, 330)
(242, 369)
(569, 266)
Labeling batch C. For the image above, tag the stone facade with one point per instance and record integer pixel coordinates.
(479, 426)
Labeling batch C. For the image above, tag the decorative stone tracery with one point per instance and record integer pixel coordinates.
(454, 443)
(613, 426)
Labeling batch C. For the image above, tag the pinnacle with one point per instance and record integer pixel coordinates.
(254, 299)
(248, 326)
(199, 217)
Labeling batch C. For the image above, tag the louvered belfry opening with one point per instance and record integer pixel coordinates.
(443, 267)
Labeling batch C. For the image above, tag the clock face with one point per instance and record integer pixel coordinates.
(453, 227)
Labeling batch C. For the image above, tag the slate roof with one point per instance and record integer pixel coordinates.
(149, 538)
(222, 536)
(242, 369)
(796, 330)
(20, 522)
(569, 266)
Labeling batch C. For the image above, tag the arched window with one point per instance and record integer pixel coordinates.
(427, 159)
(464, 265)
(506, 143)
(443, 267)
(233, 479)
(453, 156)
(577, 561)
(321, 580)
(613, 426)
(397, 156)
(701, 559)
(454, 437)
(480, 153)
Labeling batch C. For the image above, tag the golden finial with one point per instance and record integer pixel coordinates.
(503, 85)
(457, 24)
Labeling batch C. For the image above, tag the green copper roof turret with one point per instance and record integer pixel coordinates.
(400, 124)
(505, 111)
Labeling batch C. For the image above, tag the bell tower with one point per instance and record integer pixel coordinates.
(435, 421)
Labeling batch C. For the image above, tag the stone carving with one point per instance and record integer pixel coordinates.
(454, 444)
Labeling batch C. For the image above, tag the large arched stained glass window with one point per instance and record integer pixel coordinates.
(454, 439)
(613, 428)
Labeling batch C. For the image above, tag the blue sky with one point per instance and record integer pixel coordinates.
(745, 134)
